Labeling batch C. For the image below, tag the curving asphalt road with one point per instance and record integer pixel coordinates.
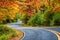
(39, 34)
(36, 33)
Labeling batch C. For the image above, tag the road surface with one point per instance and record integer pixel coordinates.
(37, 33)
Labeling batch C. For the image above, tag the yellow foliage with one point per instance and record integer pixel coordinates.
(46, 3)
(8, 9)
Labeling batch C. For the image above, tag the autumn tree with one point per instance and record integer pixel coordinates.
(8, 9)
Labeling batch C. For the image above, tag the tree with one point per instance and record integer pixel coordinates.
(8, 9)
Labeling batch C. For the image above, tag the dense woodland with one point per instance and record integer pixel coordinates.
(30, 12)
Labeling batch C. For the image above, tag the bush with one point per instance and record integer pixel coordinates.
(47, 16)
(41, 19)
(55, 18)
(6, 33)
(23, 17)
(34, 20)
(5, 37)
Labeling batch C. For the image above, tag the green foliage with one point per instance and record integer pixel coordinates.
(41, 19)
(35, 20)
(55, 18)
(6, 33)
(17, 16)
(21, 0)
(43, 8)
(22, 16)
(9, 21)
(47, 16)
(5, 37)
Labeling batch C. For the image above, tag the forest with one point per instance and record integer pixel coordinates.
(30, 12)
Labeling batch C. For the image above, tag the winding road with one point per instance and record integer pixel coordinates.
(31, 33)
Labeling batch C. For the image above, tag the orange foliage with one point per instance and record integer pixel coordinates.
(59, 1)
(36, 3)
(23, 8)
(2, 17)
(11, 15)
(5, 4)
(55, 9)
(8, 9)
(27, 1)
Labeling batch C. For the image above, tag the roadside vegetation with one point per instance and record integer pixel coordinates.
(7, 33)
